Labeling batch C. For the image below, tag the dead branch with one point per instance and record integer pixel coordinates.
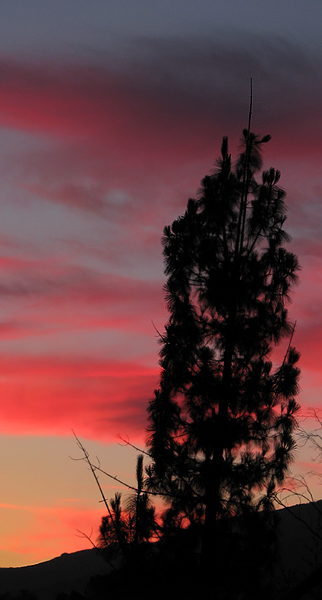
(128, 443)
(99, 550)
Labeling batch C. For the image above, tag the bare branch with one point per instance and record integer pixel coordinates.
(128, 443)
(162, 337)
(99, 550)
(289, 344)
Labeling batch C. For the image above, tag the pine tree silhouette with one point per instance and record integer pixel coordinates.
(222, 418)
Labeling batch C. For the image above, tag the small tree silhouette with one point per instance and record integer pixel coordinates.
(132, 526)
(114, 527)
(142, 522)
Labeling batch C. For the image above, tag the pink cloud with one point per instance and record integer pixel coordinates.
(68, 291)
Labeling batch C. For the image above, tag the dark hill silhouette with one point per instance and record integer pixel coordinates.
(65, 573)
(298, 568)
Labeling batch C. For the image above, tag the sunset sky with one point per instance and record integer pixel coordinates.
(111, 112)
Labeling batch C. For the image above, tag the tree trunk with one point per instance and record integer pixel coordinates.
(211, 542)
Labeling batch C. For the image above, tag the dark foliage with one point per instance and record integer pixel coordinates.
(222, 419)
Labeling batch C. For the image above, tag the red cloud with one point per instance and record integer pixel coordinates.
(52, 292)
(151, 108)
(53, 396)
(94, 105)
